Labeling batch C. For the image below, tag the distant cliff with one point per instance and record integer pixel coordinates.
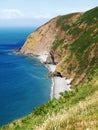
(42, 40)
(45, 39)
(73, 41)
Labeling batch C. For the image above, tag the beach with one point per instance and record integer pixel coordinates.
(59, 84)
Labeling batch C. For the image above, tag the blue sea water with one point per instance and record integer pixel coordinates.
(24, 84)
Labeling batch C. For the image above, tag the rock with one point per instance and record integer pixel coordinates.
(58, 74)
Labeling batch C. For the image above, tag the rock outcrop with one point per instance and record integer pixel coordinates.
(71, 42)
(40, 41)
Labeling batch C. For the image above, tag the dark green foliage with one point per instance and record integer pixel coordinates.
(57, 44)
(65, 27)
(75, 31)
(91, 16)
(63, 21)
(84, 41)
(68, 94)
(84, 45)
(47, 108)
(81, 48)
(65, 18)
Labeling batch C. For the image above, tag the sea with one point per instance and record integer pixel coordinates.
(24, 81)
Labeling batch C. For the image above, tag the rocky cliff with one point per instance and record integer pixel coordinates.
(41, 41)
(72, 40)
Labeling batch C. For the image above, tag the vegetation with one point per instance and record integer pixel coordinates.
(57, 44)
(80, 54)
(63, 21)
(76, 109)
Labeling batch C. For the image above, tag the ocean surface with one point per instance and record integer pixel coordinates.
(24, 83)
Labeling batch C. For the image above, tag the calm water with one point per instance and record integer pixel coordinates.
(23, 80)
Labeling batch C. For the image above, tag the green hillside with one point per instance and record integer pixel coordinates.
(77, 56)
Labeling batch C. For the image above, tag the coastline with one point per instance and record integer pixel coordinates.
(59, 84)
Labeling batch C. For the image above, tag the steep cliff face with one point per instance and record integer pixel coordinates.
(40, 41)
(79, 57)
(72, 40)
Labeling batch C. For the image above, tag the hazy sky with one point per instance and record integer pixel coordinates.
(36, 12)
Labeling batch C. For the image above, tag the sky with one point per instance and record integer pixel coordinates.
(37, 12)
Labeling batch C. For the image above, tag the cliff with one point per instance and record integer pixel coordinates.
(41, 41)
(73, 42)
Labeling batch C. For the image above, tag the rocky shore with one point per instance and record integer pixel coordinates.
(59, 83)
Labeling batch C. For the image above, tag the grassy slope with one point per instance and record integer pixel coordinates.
(80, 55)
(76, 109)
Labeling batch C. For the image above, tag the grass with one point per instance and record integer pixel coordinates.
(57, 44)
(91, 16)
(75, 109)
(82, 56)
(83, 114)
(64, 20)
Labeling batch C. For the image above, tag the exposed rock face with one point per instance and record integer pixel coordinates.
(40, 41)
(71, 42)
